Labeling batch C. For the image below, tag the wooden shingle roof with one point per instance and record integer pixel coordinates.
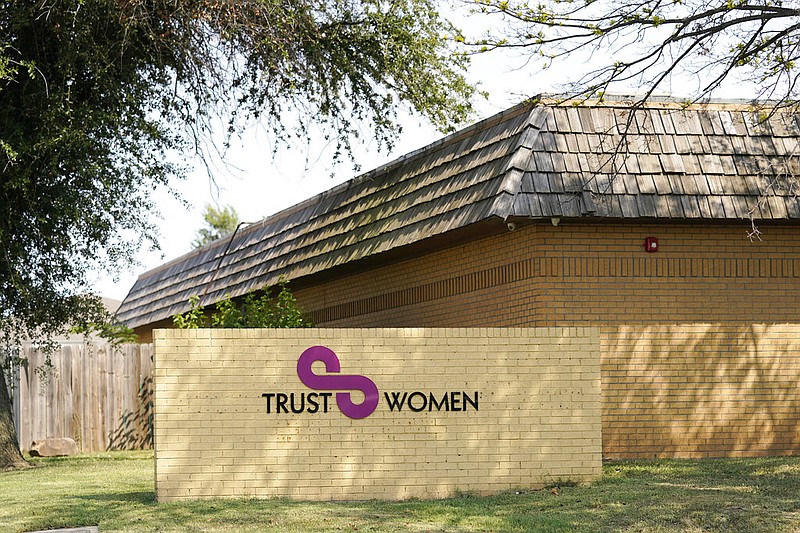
(718, 160)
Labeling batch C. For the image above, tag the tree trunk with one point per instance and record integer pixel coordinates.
(10, 456)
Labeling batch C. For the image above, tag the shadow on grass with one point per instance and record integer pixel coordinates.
(143, 497)
(685, 495)
(726, 495)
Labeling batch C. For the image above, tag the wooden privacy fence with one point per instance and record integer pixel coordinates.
(98, 394)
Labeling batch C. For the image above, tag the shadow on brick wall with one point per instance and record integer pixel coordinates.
(700, 390)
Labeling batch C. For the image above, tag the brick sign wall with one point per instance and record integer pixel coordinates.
(325, 414)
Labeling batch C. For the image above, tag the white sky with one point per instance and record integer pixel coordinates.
(265, 185)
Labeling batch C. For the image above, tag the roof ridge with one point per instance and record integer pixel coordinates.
(652, 102)
(511, 184)
(406, 158)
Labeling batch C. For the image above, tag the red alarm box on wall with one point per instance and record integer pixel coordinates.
(650, 244)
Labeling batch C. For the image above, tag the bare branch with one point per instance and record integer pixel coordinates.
(652, 41)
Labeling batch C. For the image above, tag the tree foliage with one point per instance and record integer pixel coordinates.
(219, 222)
(97, 97)
(100, 98)
(259, 309)
(649, 42)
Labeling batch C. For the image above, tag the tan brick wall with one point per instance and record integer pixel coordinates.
(538, 416)
(577, 275)
(701, 390)
(706, 280)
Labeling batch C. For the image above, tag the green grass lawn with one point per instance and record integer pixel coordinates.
(115, 491)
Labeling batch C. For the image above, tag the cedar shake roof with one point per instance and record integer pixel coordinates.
(718, 160)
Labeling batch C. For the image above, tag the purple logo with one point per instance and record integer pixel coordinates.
(337, 382)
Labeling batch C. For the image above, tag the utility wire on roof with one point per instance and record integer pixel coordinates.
(219, 262)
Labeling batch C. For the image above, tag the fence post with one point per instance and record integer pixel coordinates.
(13, 383)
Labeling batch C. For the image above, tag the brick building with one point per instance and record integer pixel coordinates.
(640, 221)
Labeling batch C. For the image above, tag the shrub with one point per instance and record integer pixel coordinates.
(257, 310)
